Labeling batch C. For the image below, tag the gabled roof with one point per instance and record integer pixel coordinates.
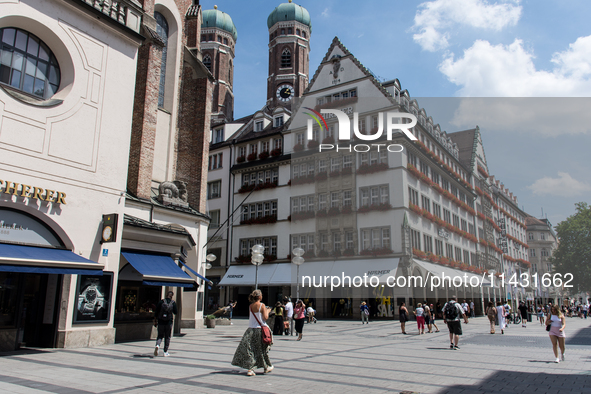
(466, 142)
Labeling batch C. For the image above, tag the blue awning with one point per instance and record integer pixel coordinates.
(156, 268)
(195, 272)
(152, 283)
(39, 260)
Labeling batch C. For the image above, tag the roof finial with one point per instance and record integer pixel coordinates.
(215, 7)
(290, 1)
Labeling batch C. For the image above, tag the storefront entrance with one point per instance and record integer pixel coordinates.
(28, 309)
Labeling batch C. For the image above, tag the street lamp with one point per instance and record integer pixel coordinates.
(210, 259)
(298, 260)
(257, 259)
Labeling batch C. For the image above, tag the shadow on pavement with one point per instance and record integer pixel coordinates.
(25, 351)
(580, 338)
(524, 382)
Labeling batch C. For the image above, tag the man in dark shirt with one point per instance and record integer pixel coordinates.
(163, 317)
(523, 310)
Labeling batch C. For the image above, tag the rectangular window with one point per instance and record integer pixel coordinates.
(412, 159)
(214, 189)
(376, 238)
(349, 240)
(449, 251)
(242, 151)
(447, 216)
(270, 244)
(334, 199)
(439, 247)
(347, 198)
(435, 177)
(324, 241)
(415, 239)
(364, 159)
(413, 196)
(473, 258)
(464, 225)
(347, 161)
(374, 195)
(532, 252)
(300, 139)
(437, 210)
(471, 229)
(265, 146)
(458, 254)
(456, 221)
(428, 242)
(253, 148)
(336, 241)
(426, 203)
(445, 184)
(322, 201)
(218, 136)
(335, 164)
(277, 143)
(466, 257)
(322, 165)
(215, 218)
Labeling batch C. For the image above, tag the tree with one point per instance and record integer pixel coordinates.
(573, 255)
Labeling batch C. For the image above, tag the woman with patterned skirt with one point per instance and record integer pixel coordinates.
(252, 353)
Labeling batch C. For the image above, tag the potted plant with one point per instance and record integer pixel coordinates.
(210, 321)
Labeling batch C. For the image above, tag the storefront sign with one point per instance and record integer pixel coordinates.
(37, 193)
(93, 298)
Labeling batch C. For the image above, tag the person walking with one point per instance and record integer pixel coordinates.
(523, 310)
(164, 312)
(427, 314)
(432, 316)
(452, 312)
(541, 314)
(364, 309)
(585, 310)
(299, 315)
(252, 353)
(557, 322)
(420, 314)
(403, 316)
(472, 312)
(501, 316)
(491, 311)
(278, 327)
(311, 313)
(231, 306)
(289, 315)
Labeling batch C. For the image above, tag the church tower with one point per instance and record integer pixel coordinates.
(289, 48)
(218, 39)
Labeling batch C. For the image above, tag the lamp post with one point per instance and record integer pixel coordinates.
(257, 259)
(210, 259)
(298, 260)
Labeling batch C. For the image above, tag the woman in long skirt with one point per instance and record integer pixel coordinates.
(252, 353)
(501, 316)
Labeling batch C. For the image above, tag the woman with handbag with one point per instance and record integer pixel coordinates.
(555, 324)
(403, 316)
(253, 350)
(299, 314)
(278, 327)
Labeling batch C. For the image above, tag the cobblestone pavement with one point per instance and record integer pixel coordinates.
(333, 357)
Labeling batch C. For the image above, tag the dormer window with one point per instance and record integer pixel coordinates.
(279, 121)
(258, 126)
(218, 136)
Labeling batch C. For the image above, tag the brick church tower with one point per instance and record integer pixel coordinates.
(289, 48)
(218, 39)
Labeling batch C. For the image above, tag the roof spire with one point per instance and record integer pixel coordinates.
(215, 7)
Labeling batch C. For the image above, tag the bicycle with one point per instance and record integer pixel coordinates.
(514, 318)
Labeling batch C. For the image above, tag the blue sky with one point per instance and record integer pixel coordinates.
(459, 48)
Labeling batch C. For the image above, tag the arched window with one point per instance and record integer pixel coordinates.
(207, 62)
(286, 58)
(27, 64)
(162, 30)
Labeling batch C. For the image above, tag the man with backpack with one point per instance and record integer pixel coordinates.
(165, 310)
(452, 311)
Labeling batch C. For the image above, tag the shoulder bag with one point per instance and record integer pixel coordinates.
(265, 331)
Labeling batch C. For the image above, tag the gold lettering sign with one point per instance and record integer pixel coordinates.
(35, 192)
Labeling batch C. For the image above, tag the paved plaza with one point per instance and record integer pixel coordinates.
(334, 357)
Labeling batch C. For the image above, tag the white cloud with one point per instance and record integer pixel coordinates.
(435, 17)
(499, 70)
(539, 116)
(325, 13)
(563, 186)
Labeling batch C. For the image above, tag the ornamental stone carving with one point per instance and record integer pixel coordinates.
(173, 193)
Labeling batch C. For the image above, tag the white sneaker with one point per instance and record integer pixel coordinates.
(563, 357)
(166, 354)
(156, 350)
(557, 360)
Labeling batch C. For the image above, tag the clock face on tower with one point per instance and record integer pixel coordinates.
(284, 93)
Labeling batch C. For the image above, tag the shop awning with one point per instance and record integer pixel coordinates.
(39, 260)
(282, 275)
(196, 273)
(158, 270)
(381, 268)
(439, 270)
(244, 275)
